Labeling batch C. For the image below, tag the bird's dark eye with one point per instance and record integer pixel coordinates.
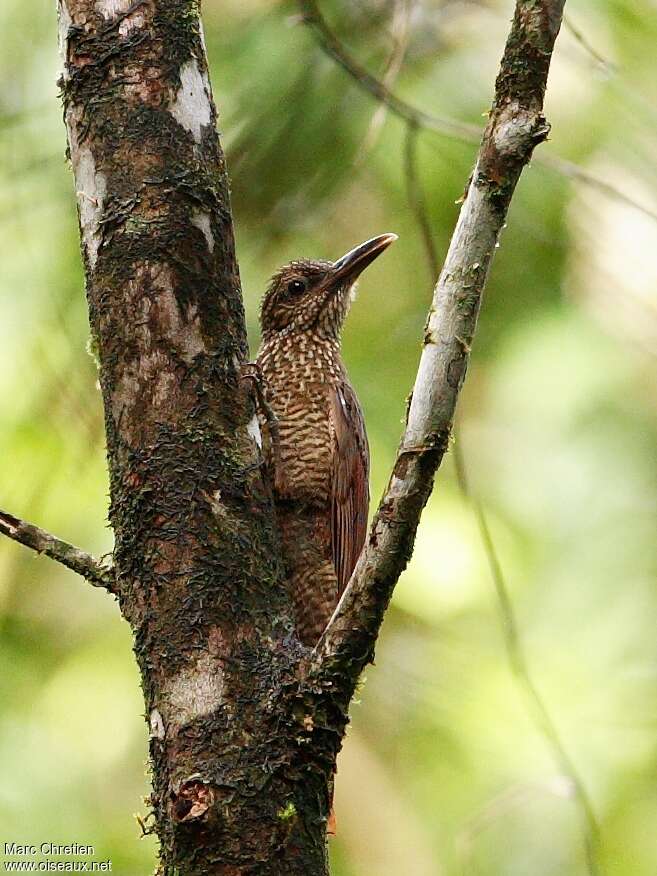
(296, 287)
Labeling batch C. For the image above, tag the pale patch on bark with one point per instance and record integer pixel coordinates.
(202, 35)
(214, 500)
(91, 190)
(152, 373)
(201, 220)
(254, 430)
(165, 381)
(64, 23)
(397, 487)
(160, 307)
(191, 107)
(433, 392)
(156, 725)
(193, 692)
(131, 22)
(514, 126)
(109, 9)
(185, 333)
(90, 184)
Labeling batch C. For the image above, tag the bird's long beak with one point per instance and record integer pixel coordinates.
(353, 263)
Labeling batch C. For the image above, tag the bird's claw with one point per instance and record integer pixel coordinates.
(251, 371)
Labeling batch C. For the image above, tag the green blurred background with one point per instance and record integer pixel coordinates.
(443, 771)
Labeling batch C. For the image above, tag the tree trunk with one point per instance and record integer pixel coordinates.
(197, 564)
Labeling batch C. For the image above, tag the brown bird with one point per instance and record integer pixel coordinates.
(314, 436)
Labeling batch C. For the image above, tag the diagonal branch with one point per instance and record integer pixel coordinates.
(417, 200)
(516, 125)
(520, 669)
(67, 554)
(603, 63)
(518, 661)
(332, 46)
(517, 657)
(401, 36)
(451, 128)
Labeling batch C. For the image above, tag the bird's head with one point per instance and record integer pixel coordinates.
(314, 296)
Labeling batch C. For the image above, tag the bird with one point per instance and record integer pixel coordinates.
(313, 433)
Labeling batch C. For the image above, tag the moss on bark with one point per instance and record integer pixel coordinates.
(239, 783)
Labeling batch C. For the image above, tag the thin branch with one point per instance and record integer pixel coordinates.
(630, 94)
(573, 171)
(332, 46)
(451, 128)
(512, 642)
(520, 670)
(417, 200)
(401, 34)
(515, 126)
(72, 557)
(605, 65)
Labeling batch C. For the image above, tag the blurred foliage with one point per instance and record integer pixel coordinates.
(443, 771)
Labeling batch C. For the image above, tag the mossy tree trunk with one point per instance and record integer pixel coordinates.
(197, 564)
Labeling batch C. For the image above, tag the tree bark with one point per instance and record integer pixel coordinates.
(197, 564)
(245, 723)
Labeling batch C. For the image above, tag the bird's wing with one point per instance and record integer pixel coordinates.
(350, 497)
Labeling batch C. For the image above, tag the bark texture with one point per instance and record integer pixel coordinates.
(196, 558)
(245, 724)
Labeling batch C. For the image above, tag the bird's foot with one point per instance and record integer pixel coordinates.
(252, 372)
